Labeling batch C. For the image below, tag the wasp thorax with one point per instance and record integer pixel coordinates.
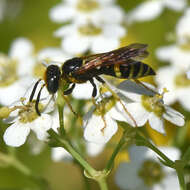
(71, 65)
(52, 78)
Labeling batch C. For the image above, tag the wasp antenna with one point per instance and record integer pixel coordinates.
(45, 63)
(38, 100)
(34, 90)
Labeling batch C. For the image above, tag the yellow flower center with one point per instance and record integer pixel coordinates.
(87, 5)
(153, 104)
(89, 30)
(27, 113)
(104, 106)
(181, 80)
(8, 71)
(151, 172)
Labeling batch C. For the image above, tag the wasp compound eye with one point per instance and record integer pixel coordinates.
(52, 78)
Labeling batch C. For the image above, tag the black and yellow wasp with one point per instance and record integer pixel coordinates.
(124, 63)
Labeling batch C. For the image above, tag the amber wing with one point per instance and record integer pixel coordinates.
(119, 56)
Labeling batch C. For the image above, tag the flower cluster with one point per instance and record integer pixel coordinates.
(178, 55)
(88, 29)
(144, 171)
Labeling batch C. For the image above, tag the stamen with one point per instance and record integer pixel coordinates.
(34, 90)
(38, 100)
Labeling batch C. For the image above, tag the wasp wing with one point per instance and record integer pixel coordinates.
(134, 51)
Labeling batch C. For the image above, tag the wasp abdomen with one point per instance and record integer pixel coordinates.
(133, 70)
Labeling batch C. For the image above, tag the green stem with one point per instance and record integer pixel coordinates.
(181, 179)
(103, 184)
(61, 120)
(115, 152)
(157, 151)
(65, 144)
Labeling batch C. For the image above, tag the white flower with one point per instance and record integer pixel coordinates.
(24, 118)
(151, 9)
(97, 11)
(16, 71)
(97, 128)
(52, 54)
(145, 172)
(78, 38)
(147, 106)
(178, 55)
(176, 81)
(183, 27)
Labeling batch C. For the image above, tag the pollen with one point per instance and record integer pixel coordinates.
(153, 104)
(27, 113)
(87, 5)
(181, 80)
(105, 105)
(151, 172)
(89, 30)
(8, 68)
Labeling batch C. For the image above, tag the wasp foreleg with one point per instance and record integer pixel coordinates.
(70, 90)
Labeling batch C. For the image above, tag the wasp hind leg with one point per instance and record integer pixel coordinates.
(70, 90)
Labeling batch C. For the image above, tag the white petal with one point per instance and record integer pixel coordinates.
(102, 44)
(173, 116)
(138, 113)
(16, 134)
(177, 5)
(146, 11)
(169, 182)
(94, 149)
(53, 54)
(74, 44)
(156, 123)
(83, 91)
(127, 177)
(41, 125)
(112, 14)
(167, 81)
(60, 154)
(114, 31)
(65, 30)
(11, 93)
(62, 13)
(21, 48)
(166, 53)
(171, 152)
(96, 132)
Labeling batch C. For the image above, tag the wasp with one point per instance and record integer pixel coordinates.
(123, 63)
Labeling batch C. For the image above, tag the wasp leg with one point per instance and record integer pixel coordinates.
(70, 90)
(116, 97)
(100, 79)
(38, 100)
(94, 92)
(34, 90)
